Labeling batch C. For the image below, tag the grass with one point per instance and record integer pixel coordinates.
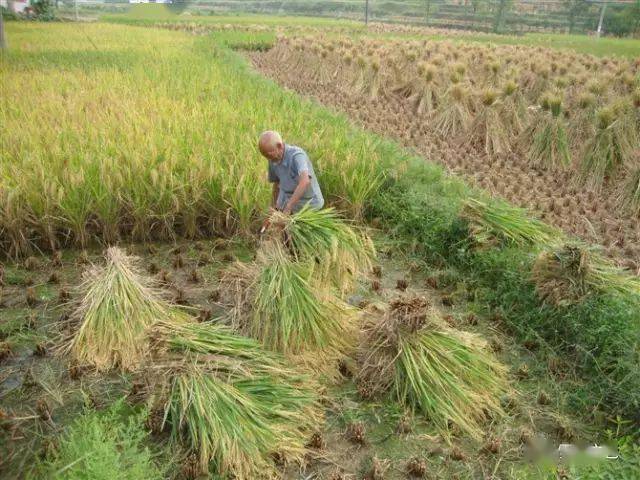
(101, 446)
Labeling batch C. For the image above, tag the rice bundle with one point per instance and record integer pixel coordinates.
(230, 401)
(454, 114)
(488, 128)
(409, 352)
(491, 220)
(547, 137)
(280, 303)
(339, 250)
(566, 275)
(117, 306)
(607, 150)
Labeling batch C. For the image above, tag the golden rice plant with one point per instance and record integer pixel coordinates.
(116, 308)
(407, 351)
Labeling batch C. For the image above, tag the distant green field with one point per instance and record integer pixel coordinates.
(150, 13)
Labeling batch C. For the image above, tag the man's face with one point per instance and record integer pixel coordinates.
(272, 152)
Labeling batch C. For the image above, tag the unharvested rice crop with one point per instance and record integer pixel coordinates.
(107, 145)
(407, 350)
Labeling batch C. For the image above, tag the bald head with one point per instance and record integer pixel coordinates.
(271, 145)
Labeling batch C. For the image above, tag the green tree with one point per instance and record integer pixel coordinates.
(573, 9)
(502, 8)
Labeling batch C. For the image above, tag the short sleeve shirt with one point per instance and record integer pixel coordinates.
(287, 172)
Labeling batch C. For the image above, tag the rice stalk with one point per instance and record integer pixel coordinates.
(278, 302)
(340, 252)
(116, 308)
(491, 220)
(607, 151)
(453, 115)
(547, 138)
(409, 353)
(236, 420)
(488, 128)
(630, 196)
(566, 275)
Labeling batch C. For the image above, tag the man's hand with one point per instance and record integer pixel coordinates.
(303, 183)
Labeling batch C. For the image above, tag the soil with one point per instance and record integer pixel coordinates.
(554, 197)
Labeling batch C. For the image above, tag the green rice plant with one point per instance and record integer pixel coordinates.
(546, 137)
(102, 446)
(340, 251)
(277, 301)
(608, 150)
(115, 310)
(488, 129)
(499, 220)
(566, 275)
(447, 375)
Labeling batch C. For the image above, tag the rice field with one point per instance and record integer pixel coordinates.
(417, 327)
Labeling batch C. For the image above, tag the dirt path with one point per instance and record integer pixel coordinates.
(554, 197)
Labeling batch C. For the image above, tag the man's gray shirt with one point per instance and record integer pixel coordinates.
(286, 173)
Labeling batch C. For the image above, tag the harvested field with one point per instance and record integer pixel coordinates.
(379, 86)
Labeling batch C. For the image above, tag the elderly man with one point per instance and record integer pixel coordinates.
(291, 172)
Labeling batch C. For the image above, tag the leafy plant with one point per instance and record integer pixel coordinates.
(102, 446)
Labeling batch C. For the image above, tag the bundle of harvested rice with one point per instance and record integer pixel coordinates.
(114, 311)
(278, 302)
(338, 249)
(231, 402)
(566, 275)
(448, 375)
(498, 220)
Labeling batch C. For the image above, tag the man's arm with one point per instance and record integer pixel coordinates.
(303, 183)
(274, 194)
